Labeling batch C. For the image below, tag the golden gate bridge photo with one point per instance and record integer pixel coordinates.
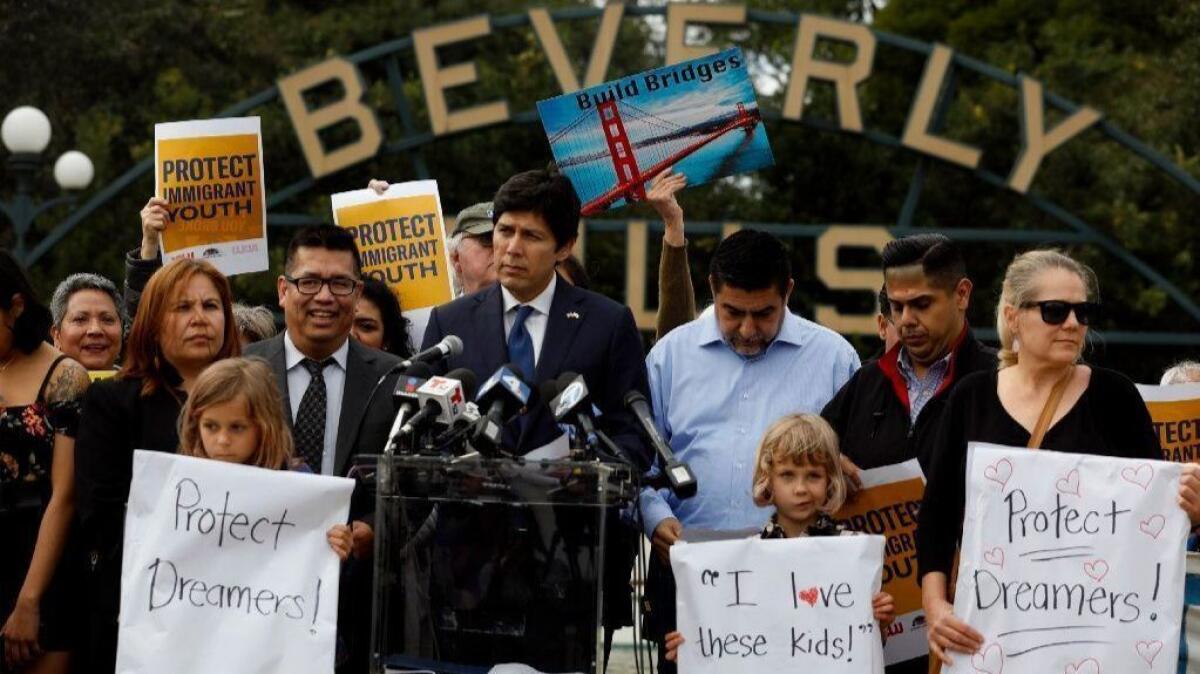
(612, 139)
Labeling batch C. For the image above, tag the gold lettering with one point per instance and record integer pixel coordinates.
(1036, 142)
(679, 15)
(635, 274)
(837, 278)
(916, 130)
(350, 107)
(845, 76)
(602, 48)
(436, 80)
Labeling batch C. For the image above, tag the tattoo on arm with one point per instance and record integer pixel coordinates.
(68, 382)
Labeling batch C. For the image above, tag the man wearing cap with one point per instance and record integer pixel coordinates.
(469, 245)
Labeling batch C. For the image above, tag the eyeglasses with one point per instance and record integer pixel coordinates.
(311, 285)
(1055, 312)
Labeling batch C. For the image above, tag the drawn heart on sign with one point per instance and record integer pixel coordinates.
(995, 556)
(1069, 484)
(808, 596)
(989, 660)
(1097, 570)
(1087, 666)
(1153, 525)
(999, 472)
(1148, 650)
(1140, 476)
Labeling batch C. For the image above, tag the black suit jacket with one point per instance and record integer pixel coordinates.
(586, 333)
(362, 428)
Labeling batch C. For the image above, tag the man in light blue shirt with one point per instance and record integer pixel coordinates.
(719, 381)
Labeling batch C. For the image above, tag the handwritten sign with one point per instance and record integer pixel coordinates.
(700, 118)
(227, 568)
(1070, 563)
(402, 240)
(1176, 414)
(210, 172)
(795, 605)
(887, 506)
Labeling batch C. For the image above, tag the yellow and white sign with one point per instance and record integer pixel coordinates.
(402, 240)
(1176, 414)
(210, 172)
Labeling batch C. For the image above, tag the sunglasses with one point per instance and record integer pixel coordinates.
(1055, 312)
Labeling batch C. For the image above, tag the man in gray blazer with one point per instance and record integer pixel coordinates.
(326, 379)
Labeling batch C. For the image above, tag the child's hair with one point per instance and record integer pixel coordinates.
(224, 381)
(801, 439)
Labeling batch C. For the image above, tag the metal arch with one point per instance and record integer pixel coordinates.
(413, 141)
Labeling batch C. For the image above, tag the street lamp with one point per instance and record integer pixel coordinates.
(26, 134)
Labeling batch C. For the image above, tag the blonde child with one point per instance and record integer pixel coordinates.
(234, 413)
(798, 470)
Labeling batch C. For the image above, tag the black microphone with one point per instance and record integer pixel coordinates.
(500, 398)
(574, 404)
(449, 346)
(442, 399)
(679, 475)
(404, 396)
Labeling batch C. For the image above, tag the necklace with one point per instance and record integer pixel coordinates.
(8, 361)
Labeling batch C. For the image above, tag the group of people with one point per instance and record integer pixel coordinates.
(775, 414)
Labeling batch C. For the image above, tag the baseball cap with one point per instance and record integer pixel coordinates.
(474, 220)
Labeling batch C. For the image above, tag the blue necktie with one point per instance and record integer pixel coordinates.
(520, 344)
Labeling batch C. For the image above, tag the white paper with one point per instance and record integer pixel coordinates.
(227, 568)
(794, 605)
(1169, 393)
(1070, 563)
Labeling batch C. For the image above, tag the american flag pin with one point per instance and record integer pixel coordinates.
(572, 314)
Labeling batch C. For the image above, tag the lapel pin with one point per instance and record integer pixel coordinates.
(572, 314)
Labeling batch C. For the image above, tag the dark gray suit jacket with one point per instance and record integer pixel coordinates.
(362, 429)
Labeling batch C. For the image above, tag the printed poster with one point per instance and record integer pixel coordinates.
(227, 568)
(1070, 563)
(401, 237)
(887, 506)
(782, 605)
(1175, 410)
(699, 118)
(210, 172)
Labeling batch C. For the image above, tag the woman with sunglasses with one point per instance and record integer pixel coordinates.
(1047, 304)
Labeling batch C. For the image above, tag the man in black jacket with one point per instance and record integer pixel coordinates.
(889, 411)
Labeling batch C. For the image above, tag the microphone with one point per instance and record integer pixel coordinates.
(442, 399)
(404, 396)
(500, 398)
(573, 403)
(679, 475)
(449, 346)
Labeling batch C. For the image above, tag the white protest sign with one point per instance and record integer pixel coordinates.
(210, 172)
(795, 605)
(1070, 563)
(227, 568)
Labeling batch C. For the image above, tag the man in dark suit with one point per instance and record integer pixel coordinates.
(326, 379)
(546, 326)
(532, 315)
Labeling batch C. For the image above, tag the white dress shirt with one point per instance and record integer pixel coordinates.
(537, 320)
(335, 384)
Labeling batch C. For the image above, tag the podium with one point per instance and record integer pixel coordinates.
(481, 562)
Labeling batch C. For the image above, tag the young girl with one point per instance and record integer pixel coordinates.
(234, 413)
(798, 470)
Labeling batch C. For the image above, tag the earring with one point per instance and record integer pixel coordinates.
(1016, 347)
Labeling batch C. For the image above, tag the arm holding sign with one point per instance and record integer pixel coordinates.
(676, 297)
(142, 262)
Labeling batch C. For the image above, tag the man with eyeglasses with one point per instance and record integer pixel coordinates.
(889, 410)
(326, 379)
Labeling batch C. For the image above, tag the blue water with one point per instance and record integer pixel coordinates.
(728, 155)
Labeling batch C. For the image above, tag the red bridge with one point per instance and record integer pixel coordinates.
(630, 131)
